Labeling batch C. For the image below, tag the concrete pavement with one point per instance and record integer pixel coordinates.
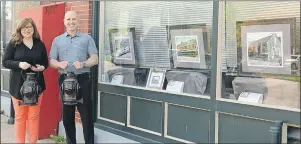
(7, 132)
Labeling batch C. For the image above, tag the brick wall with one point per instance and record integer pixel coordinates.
(84, 11)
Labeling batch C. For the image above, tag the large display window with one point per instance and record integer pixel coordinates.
(209, 66)
(158, 45)
(261, 53)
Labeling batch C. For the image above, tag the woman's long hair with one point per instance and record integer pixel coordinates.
(17, 37)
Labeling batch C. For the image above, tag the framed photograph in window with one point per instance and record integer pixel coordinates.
(156, 79)
(264, 46)
(122, 46)
(264, 49)
(188, 47)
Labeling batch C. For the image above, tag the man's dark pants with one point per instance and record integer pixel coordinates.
(85, 110)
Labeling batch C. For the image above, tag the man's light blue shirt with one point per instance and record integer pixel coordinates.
(71, 49)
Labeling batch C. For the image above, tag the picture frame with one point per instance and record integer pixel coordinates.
(122, 46)
(156, 78)
(265, 45)
(117, 79)
(188, 43)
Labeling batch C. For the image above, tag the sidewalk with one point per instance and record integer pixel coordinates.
(7, 132)
(101, 136)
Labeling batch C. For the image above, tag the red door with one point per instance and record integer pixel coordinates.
(49, 21)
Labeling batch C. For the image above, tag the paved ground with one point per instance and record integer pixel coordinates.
(7, 132)
(283, 93)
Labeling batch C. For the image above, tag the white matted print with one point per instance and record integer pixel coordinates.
(265, 49)
(187, 48)
(156, 79)
(123, 48)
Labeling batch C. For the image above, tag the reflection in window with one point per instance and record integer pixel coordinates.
(158, 45)
(261, 52)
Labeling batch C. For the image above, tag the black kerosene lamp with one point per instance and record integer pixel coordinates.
(30, 90)
(70, 89)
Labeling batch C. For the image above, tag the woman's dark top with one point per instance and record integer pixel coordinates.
(14, 54)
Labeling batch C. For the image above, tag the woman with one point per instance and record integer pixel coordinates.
(25, 53)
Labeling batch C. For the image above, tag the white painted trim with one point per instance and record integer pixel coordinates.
(293, 125)
(113, 93)
(259, 105)
(2, 82)
(219, 49)
(180, 140)
(284, 133)
(112, 121)
(101, 41)
(98, 105)
(157, 90)
(165, 119)
(128, 111)
(216, 127)
(147, 99)
(249, 117)
(144, 130)
(190, 107)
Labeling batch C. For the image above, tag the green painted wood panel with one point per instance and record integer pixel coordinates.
(236, 129)
(292, 117)
(188, 124)
(146, 114)
(113, 107)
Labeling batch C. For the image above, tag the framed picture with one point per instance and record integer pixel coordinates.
(156, 79)
(117, 79)
(188, 47)
(265, 46)
(122, 46)
(264, 49)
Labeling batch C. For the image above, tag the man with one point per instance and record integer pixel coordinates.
(75, 52)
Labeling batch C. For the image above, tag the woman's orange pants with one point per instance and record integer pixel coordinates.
(29, 114)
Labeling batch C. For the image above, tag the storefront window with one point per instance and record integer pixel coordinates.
(6, 24)
(261, 52)
(158, 45)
